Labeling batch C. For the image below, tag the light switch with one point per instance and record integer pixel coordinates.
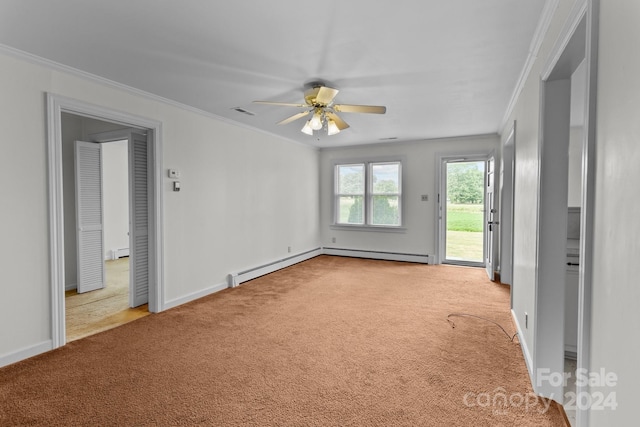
(176, 185)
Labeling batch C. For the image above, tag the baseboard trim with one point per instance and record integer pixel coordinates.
(388, 256)
(70, 287)
(235, 279)
(194, 296)
(525, 349)
(25, 353)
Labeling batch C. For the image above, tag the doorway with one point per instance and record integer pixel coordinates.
(465, 212)
(576, 45)
(100, 296)
(146, 181)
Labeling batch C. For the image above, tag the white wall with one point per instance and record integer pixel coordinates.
(616, 290)
(419, 170)
(246, 196)
(526, 112)
(115, 184)
(616, 293)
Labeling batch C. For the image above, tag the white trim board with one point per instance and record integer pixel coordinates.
(525, 350)
(195, 295)
(25, 353)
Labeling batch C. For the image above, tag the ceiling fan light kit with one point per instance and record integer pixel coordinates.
(307, 128)
(317, 120)
(319, 101)
(332, 128)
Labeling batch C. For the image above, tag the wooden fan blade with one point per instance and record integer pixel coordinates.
(294, 117)
(326, 95)
(371, 109)
(342, 125)
(282, 104)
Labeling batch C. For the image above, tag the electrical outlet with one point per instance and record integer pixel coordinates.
(526, 320)
(333, 240)
(289, 249)
(424, 197)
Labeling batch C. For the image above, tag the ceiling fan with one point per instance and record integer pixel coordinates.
(319, 103)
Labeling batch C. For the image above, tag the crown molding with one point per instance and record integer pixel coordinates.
(47, 63)
(534, 48)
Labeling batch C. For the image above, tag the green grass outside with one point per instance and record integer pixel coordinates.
(465, 232)
(465, 217)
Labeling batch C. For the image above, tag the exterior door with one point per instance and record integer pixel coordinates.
(139, 272)
(491, 216)
(461, 208)
(89, 216)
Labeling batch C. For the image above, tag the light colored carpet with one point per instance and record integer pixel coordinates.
(328, 342)
(96, 311)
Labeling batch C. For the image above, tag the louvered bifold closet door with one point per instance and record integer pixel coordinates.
(89, 216)
(139, 204)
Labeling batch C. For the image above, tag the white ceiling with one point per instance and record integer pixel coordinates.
(443, 68)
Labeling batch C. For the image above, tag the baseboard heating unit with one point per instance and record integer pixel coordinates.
(389, 256)
(119, 253)
(236, 279)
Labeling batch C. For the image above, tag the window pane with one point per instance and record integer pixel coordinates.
(386, 178)
(351, 179)
(351, 210)
(385, 210)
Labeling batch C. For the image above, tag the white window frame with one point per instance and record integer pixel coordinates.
(368, 195)
(337, 195)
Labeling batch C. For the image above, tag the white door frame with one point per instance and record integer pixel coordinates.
(56, 105)
(507, 199)
(491, 216)
(583, 24)
(440, 239)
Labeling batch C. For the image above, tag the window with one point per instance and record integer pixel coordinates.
(350, 194)
(368, 194)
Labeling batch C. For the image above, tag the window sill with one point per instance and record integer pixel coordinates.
(375, 228)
